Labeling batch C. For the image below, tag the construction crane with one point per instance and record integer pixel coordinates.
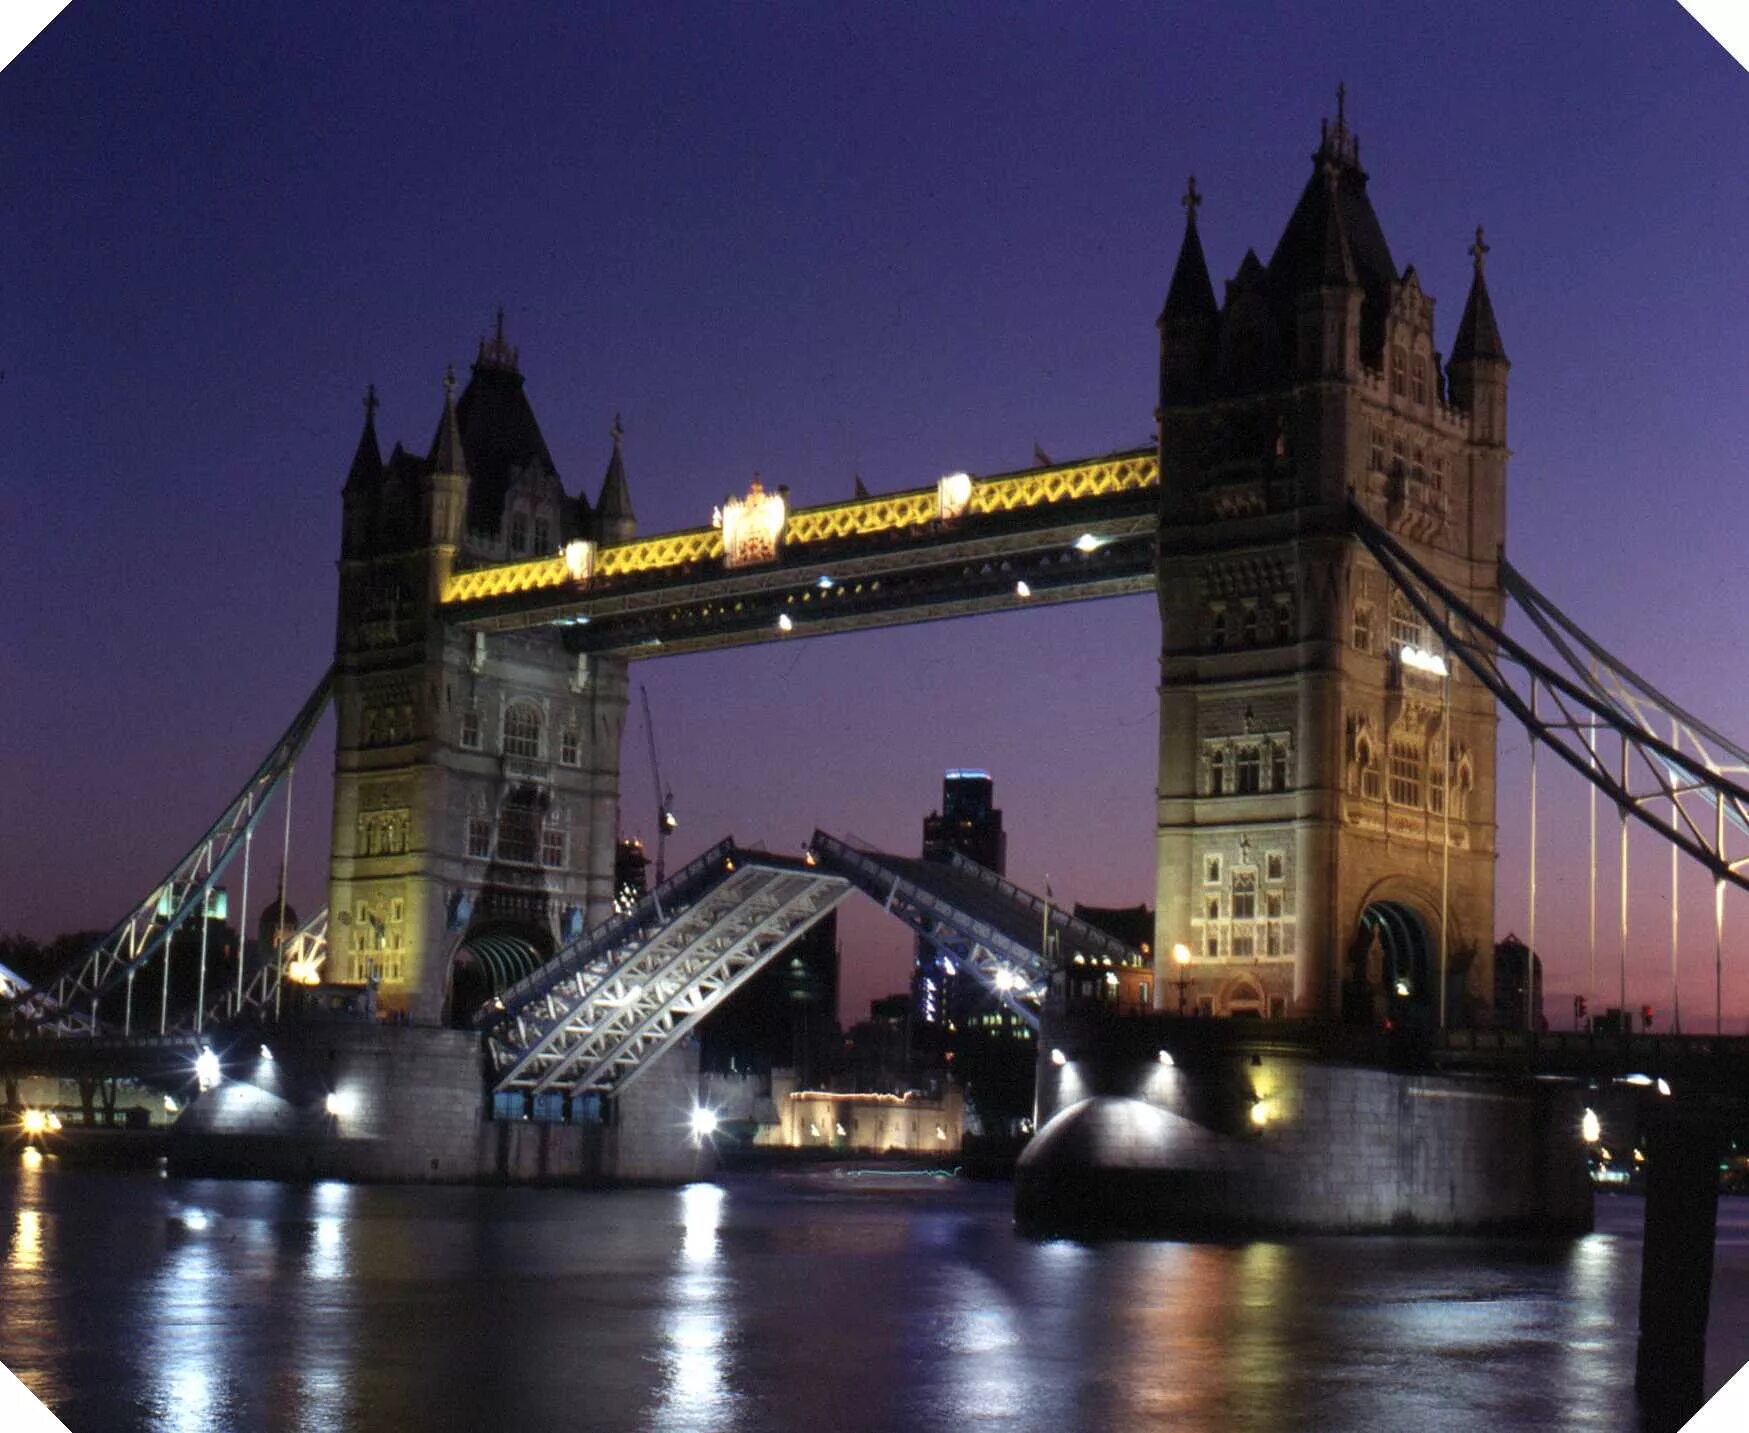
(665, 821)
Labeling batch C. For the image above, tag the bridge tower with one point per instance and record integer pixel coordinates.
(476, 779)
(1324, 793)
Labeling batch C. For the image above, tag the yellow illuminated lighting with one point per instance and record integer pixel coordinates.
(752, 526)
(35, 1122)
(1260, 1113)
(891, 512)
(954, 493)
(304, 971)
(1591, 1127)
(1181, 953)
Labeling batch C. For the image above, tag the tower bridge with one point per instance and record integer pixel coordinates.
(1322, 519)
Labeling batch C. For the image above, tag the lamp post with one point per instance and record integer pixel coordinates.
(1181, 957)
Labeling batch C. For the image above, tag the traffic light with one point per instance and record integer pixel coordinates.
(1645, 1017)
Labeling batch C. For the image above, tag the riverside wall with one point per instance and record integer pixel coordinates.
(414, 1108)
(1260, 1137)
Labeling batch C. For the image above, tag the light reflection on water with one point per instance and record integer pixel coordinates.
(798, 1303)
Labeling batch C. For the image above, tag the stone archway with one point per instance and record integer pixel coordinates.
(491, 958)
(1400, 962)
(1243, 998)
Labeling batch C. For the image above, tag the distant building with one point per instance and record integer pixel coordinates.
(1511, 957)
(1129, 987)
(970, 824)
(909, 1121)
(785, 1016)
(631, 878)
(877, 1051)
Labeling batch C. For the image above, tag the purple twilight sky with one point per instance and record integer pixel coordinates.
(809, 241)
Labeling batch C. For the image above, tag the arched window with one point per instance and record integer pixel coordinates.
(1277, 766)
(1418, 379)
(1397, 384)
(1217, 772)
(1248, 627)
(1405, 621)
(1405, 763)
(542, 533)
(1363, 626)
(519, 828)
(522, 731)
(1248, 769)
(1218, 629)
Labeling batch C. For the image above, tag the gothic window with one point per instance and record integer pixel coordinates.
(569, 746)
(1418, 379)
(1218, 629)
(1405, 762)
(470, 735)
(1438, 472)
(397, 910)
(1218, 773)
(1363, 626)
(1397, 464)
(552, 848)
(522, 731)
(1397, 384)
(1419, 469)
(1376, 458)
(519, 532)
(479, 837)
(519, 828)
(1277, 767)
(1436, 788)
(1248, 627)
(1369, 778)
(1244, 895)
(1274, 867)
(542, 533)
(1463, 778)
(1248, 770)
(1405, 621)
(1211, 872)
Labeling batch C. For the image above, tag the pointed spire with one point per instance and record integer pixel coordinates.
(1337, 144)
(1336, 262)
(367, 462)
(613, 511)
(1191, 294)
(1478, 334)
(861, 487)
(446, 448)
(495, 352)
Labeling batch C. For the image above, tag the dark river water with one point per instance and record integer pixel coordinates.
(819, 1302)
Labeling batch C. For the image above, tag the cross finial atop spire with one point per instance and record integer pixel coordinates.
(1337, 145)
(370, 403)
(1478, 249)
(1192, 200)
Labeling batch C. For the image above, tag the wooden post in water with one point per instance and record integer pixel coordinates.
(1676, 1267)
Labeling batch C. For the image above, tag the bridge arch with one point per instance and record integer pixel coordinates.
(488, 960)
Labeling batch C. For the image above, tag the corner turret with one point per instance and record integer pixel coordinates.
(614, 520)
(1187, 322)
(446, 483)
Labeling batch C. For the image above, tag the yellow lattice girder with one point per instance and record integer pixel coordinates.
(889, 512)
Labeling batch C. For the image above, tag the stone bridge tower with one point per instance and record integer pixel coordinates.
(1322, 797)
(476, 780)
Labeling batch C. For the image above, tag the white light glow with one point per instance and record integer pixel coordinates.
(170, 1105)
(1420, 660)
(342, 1104)
(1007, 979)
(266, 1055)
(784, 624)
(1021, 589)
(1181, 953)
(825, 584)
(580, 560)
(1590, 1127)
(1166, 1058)
(954, 493)
(206, 1068)
(1663, 1087)
(704, 1122)
(1260, 1113)
(1636, 1079)
(1087, 542)
(1059, 1058)
(1402, 988)
(35, 1122)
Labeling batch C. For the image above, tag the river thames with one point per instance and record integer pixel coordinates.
(824, 1301)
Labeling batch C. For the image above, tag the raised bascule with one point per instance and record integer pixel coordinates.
(1322, 520)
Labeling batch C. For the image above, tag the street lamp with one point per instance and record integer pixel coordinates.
(1181, 956)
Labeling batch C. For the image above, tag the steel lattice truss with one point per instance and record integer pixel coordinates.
(67, 1004)
(300, 959)
(596, 1015)
(1602, 720)
(988, 926)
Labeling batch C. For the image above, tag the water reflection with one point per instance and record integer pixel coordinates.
(694, 1387)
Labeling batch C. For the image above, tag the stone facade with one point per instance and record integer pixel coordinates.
(1303, 762)
(476, 778)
